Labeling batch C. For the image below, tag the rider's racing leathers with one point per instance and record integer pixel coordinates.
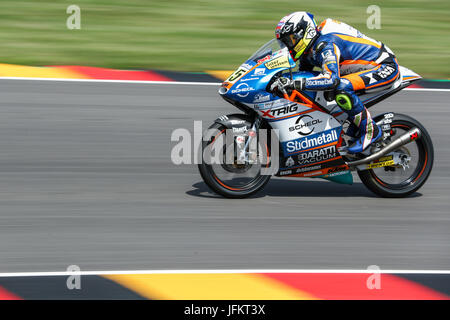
(351, 63)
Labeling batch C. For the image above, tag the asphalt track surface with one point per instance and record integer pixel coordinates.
(86, 178)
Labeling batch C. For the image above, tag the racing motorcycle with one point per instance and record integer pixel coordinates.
(308, 130)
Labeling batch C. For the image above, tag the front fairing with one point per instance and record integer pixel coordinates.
(249, 82)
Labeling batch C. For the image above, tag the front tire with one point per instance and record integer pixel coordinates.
(222, 186)
(382, 183)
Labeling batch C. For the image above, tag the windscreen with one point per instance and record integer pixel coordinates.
(267, 50)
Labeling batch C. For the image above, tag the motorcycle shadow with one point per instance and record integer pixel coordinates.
(280, 187)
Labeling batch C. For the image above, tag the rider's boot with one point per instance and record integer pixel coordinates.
(369, 131)
(352, 132)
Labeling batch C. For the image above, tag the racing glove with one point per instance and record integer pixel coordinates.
(284, 83)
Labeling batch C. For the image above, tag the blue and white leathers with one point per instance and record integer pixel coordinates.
(351, 62)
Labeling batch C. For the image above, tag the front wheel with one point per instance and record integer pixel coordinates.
(232, 177)
(402, 180)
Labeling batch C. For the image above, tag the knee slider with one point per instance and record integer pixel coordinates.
(344, 101)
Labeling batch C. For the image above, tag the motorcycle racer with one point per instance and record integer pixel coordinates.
(351, 63)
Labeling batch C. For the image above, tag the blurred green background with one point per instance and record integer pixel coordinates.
(191, 35)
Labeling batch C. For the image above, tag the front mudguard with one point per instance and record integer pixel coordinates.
(242, 123)
(235, 120)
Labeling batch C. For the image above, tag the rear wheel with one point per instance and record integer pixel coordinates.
(417, 162)
(233, 177)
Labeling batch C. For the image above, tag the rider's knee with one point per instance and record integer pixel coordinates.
(348, 101)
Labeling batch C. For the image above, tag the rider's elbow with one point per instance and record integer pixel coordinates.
(336, 80)
(332, 83)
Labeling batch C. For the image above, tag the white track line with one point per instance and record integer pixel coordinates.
(116, 81)
(168, 82)
(427, 89)
(226, 271)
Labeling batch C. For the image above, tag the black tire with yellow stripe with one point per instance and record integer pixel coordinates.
(420, 175)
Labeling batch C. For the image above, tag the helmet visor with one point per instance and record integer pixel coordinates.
(290, 41)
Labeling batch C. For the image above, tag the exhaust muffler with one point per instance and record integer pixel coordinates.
(406, 138)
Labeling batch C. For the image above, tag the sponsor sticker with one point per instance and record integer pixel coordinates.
(285, 173)
(303, 125)
(273, 104)
(414, 136)
(337, 170)
(315, 173)
(327, 53)
(311, 33)
(263, 106)
(272, 113)
(249, 79)
(281, 62)
(259, 71)
(260, 97)
(246, 66)
(385, 158)
(240, 130)
(312, 141)
(316, 82)
(317, 155)
(300, 170)
(290, 162)
(300, 46)
(242, 90)
(385, 72)
(236, 122)
(266, 58)
(335, 174)
(382, 162)
(236, 75)
(287, 27)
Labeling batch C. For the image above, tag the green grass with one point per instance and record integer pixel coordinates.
(191, 35)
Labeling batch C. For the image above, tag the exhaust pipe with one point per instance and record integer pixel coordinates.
(406, 138)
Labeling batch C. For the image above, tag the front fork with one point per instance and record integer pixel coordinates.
(243, 155)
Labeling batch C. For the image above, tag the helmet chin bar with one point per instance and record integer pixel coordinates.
(293, 56)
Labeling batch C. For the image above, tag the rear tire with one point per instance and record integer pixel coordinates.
(420, 175)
